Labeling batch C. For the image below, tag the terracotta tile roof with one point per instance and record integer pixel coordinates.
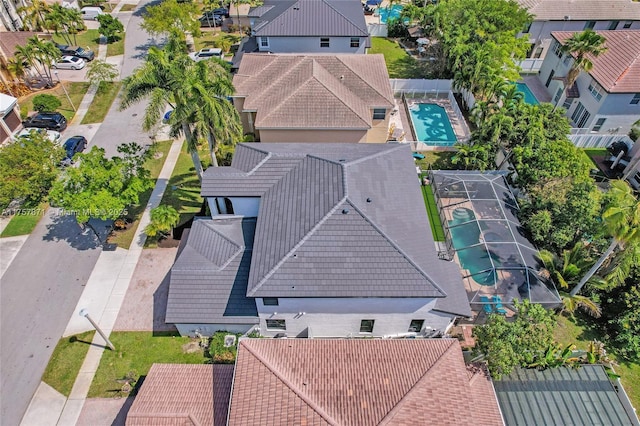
(313, 91)
(12, 39)
(582, 10)
(357, 382)
(182, 395)
(618, 69)
(483, 394)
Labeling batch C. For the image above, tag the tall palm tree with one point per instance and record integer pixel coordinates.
(34, 16)
(621, 218)
(582, 45)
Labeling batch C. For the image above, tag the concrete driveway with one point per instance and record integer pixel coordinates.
(38, 293)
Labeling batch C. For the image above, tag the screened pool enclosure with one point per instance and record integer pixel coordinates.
(483, 234)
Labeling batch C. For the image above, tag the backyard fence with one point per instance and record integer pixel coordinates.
(419, 87)
(377, 30)
(597, 140)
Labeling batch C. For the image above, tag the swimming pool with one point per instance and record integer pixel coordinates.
(529, 97)
(392, 12)
(465, 236)
(431, 124)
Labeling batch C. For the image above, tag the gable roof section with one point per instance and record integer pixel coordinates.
(618, 69)
(352, 382)
(583, 396)
(582, 10)
(313, 91)
(208, 282)
(307, 18)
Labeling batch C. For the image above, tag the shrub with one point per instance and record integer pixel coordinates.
(396, 28)
(46, 103)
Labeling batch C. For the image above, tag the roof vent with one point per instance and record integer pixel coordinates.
(345, 211)
(342, 77)
(296, 8)
(368, 200)
(567, 17)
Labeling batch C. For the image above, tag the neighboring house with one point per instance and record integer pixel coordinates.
(9, 18)
(309, 26)
(183, 394)
(569, 396)
(10, 120)
(314, 98)
(342, 247)
(9, 41)
(355, 382)
(605, 99)
(573, 15)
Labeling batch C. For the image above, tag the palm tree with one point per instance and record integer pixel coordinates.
(34, 15)
(237, 4)
(581, 45)
(621, 218)
(474, 156)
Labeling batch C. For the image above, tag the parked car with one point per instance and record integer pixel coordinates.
(52, 135)
(210, 20)
(69, 63)
(207, 53)
(85, 54)
(61, 46)
(221, 11)
(72, 146)
(47, 120)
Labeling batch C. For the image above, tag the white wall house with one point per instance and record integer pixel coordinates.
(573, 15)
(605, 99)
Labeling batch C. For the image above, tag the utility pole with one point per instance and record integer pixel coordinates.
(85, 313)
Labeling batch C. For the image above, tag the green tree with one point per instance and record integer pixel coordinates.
(509, 344)
(583, 46)
(473, 156)
(65, 22)
(100, 187)
(100, 71)
(621, 218)
(163, 219)
(34, 15)
(110, 27)
(622, 309)
(45, 102)
(28, 168)
(171, 17)
(40, 55)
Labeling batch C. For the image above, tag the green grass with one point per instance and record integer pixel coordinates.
(432, 212)
(128, 7)
(88, 38)
(76, 91)
(437, 160)
(101, 103)
(212, 39)
(135, 353)
(116, 47)
(577, 332)
(24, 221)
(66, 361)
(399, 63)
(154, 165)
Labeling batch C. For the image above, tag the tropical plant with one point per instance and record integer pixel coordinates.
(582, 45)
(621, 218)
(171, 17)
(555, 356)
(40, 55)
(45, 102)
(163, 219)
(34, 15)
(65, 22)
(238, 3)
(110, 26)
(622, 312)
(473, 156)
(101, 71)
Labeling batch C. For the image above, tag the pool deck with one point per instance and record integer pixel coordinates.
(537, 88)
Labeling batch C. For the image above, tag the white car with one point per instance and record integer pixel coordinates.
(69, 63)
(52, 135)
(207, 53)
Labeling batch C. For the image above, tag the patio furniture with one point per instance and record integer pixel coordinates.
(486, 304)
(498, 305)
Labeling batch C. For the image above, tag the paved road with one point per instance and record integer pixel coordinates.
(38, 294)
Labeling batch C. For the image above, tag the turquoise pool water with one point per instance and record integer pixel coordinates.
(465, 233)
(432, 125)
(529, 97)
(391, 12)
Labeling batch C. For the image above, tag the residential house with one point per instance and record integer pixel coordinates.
(321, 382)
(309, 26)
(607, 98)
(10, 120)
(9, 18)
(324, 240)
(573, 15)
(9, 41)
(314, 98)
(569, 396)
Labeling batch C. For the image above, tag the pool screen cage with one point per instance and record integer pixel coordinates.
(479, 216)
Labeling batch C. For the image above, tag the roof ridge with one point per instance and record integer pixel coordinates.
(298, 60)
(394, 245)
(343, 15)
(431, 371)
(339, 58)
(291, 386)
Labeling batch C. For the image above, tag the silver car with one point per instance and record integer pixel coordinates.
(69, 63)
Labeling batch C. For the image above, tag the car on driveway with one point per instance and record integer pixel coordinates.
(69, 63)
(72, 146)
(85, 54)
(221, 11)
(52, 135)
(47, 120)
(210, 20)
(207, 53)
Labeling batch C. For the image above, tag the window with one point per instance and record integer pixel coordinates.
(270, 301)
(596, 90)
(324, 42)
(557, 97)
(627, 25)
(598, 125)
(580, 115)
(557, 49)
(551, 74)
(567, 103)
(589, 25)
(416, 325)
(355, 42)
(276, 324)
(613, 25)
(366, 326)
(566, 59)
(538, 52)
(264, 41)
(379, 113)
(636, 99)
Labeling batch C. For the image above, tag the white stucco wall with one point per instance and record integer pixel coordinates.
(311, 45)
(209, 329)
(242, 206)
(341, 317)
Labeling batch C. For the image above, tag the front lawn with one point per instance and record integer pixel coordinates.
(116, 47)
(217, 39)
(66, 360)
(101, 103)
(76, 91)
(87, 40)
(128, 7)
(24, 221)
(399, 63)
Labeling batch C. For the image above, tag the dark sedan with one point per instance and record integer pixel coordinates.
(85, 54)
(72, 146)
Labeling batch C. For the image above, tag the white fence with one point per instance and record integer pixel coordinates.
(597, 140)
(377, 30)
(408, 86)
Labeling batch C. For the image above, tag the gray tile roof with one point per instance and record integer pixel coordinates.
(208, 281)
(342, 220)
(307, 18)
(560, 396)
